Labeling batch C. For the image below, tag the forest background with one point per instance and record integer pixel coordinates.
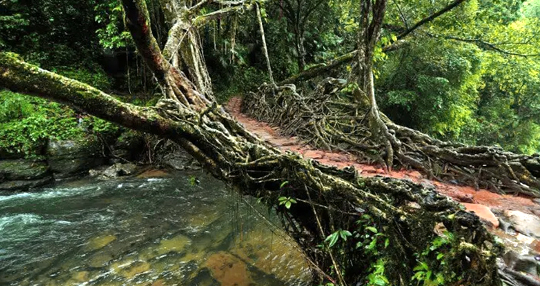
(470, 75)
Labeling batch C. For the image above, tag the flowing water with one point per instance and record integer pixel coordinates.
(143, 231)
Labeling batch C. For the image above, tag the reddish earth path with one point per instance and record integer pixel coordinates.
(474, 200)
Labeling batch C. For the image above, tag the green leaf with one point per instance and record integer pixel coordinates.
(420, 267)
(428, 275)
(372, 229)
(332, 239)
(372, 245)
(344, 234)
(283, 184)
(379, 281)
(440, 278)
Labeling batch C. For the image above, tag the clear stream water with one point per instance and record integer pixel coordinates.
(143, 231)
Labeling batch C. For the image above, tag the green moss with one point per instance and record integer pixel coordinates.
(9, 56)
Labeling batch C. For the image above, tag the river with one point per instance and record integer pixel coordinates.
(150, 231)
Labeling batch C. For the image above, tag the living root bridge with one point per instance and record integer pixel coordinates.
(333, 118)
(412, 218)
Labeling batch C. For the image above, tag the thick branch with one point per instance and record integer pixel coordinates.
(203, 19)
(174, 84)
(22, 77)
(321, 68)
(139, 26)
(25, 78)
(201, 4)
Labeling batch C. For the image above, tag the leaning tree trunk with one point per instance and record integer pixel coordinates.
(393, 224)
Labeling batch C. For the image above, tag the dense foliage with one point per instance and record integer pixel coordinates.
(470, 75)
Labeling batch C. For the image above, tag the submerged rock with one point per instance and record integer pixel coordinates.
(136, 268)
(99, 242)
(228, 270)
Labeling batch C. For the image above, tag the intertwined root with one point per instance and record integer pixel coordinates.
(333, 118)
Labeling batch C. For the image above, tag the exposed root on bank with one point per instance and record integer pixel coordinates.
(333, 118)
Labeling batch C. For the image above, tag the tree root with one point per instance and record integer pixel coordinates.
(330, 119)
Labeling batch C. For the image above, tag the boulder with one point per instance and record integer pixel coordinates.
(21, 175)
(20, 169)
(23, 185)
(68, 157)
(117, 170)
(526, 224)
(128, 146)
(178, 159)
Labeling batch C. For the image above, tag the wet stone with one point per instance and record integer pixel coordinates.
(484, 213)
(100, 260)
(526, 224)
(24, 185)
(228, 270)
(22, 170)
(522, 263)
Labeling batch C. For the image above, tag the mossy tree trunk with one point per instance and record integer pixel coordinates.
(371, 20)
(408, 219)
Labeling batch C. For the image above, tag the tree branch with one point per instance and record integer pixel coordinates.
(483, 44)
(310, 10)
(200, 20)
(22, 77)
(332, 64)
(175, 85)
(431, 18)
(139, 26)
(198, 6)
